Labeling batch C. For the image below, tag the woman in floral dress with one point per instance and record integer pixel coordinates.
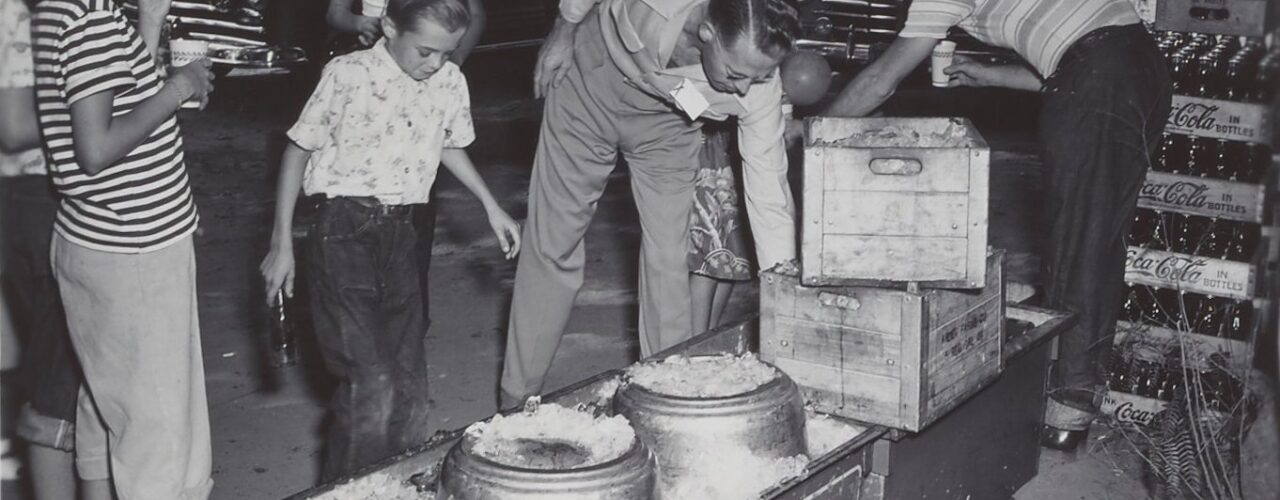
(718, 254)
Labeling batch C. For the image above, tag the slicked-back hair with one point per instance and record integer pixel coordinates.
(453, 15)
(772, 24)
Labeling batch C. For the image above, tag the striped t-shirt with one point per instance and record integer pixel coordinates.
(143, 201)
(1038, 30)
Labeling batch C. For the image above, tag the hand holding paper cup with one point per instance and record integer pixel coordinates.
(184, 52)
(943, 53)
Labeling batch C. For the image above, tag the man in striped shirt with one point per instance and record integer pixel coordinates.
(1106, 98)
(122, 249)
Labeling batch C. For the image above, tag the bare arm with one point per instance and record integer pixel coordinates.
(151, 19)
(278, 267)
(342, 17)
(506, 229)
(102, 139)
(474, 31)
(966, 72)
(18, 130)
(875, 84)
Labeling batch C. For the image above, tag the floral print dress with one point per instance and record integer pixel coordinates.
(718, 230)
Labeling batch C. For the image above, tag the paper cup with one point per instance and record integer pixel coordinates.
(942, 56)
(183, 52)
(373, 8)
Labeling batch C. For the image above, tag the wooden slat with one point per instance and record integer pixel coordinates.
(979, 215)
(878, 310)
(897, 214)
(863, 397)
(811, 230)
(894, 258)
(849, 349)
(943, 170)
(910, 401)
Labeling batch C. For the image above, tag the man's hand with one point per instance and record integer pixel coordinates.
(507, 230)
(793, 134)
(278, 271)
(966, 72)
(555, 58)
(193, 81)
(369, 29)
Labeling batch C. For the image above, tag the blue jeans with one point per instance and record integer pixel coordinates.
(367, 308)
(1104, 110)
(50, 373)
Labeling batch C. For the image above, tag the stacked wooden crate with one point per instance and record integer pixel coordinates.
(1173, 337)
(895, 314)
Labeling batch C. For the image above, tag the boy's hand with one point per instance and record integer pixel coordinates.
(794, 132)
(277, 270)
(966, 72)
(194, 81)
(507, 230)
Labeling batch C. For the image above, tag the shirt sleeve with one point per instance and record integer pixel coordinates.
(16, 64)
(770, 208)
(459, 132)
(934, 18)
(575, 11)
(96, 50)
(314, 128)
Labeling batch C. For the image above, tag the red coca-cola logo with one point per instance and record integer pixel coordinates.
(1166, 267)
(1178, 193)
(1194, 115)
(1127, 412)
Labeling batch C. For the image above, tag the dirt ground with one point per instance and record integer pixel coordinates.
(266, 423)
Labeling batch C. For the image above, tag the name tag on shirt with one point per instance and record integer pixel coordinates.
(690, 100)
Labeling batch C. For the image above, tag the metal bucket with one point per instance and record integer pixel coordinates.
(766, 422)
(469, 476)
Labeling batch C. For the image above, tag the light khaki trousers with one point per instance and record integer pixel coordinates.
(591, 117)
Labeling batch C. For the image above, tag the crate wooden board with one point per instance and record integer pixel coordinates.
(895, 200)
(885, 356)
(1219, 17)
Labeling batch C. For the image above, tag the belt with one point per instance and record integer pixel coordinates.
(372, 204)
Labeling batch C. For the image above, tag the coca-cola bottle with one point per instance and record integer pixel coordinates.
(1208, 79)
(1180, 71)
(1168, 308)
(1148, 378)
(1144, 227)
(1203, 157)
(1173, 381)
(1207, 314)
(1238, 320)
(1268, 78)
(1119, 376)
(1252, 163)
(1172, 155)
(284, 348)
(1244, 241)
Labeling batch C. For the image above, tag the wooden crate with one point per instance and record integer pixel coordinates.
(1218, 17)
(893, 357)
(895, 200)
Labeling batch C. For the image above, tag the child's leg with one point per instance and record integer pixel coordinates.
(134, 323)
(403, 296)
(719, 302)
(348, 265)
(702, 292)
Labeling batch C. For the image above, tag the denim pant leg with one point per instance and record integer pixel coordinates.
(1102, 118)
(368, 322)
(50, 372)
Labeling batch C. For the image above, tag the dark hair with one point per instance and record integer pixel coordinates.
(772, 24)
(452, 14)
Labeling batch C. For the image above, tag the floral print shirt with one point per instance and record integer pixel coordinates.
(373, 130)
(17, 70)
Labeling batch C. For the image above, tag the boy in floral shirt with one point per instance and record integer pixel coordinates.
(371, 140)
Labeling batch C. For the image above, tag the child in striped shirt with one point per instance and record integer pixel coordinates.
(122, 250)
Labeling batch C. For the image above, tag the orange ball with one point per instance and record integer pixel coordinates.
(805, 77)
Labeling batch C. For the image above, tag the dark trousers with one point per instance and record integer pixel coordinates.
(1104, 110)
(367, 308)
(50, 372)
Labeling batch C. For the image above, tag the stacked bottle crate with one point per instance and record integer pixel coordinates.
(1200, 245)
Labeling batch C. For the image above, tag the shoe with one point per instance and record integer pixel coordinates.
(1061, 439)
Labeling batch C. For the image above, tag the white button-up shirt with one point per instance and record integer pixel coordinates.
(650, 29)
(373, 130)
